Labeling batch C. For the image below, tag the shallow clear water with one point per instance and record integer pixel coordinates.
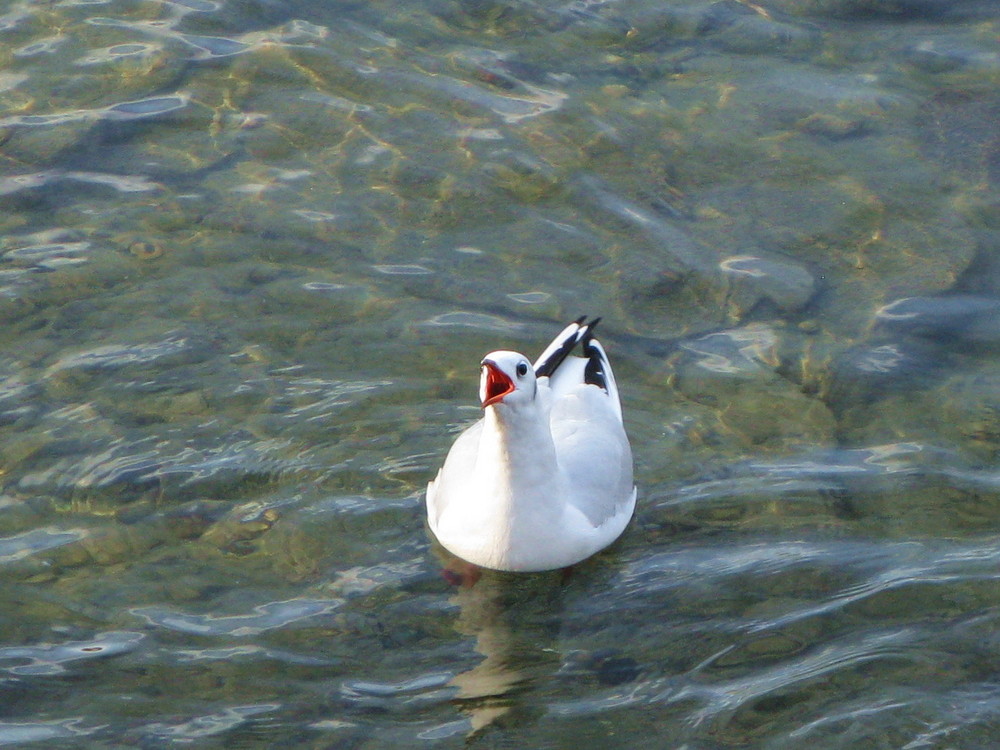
(251, 254)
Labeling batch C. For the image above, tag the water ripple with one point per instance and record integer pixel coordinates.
(360, 689)
(313, 399)
(482, 321)
(40, 46)
(207, 725)
(336, 102)
(734, 352)
(130, 110)
(214, 47)
(720, 699)
(876, 567)
(28, 543)
(198, 6)
(252, 652)
(265, 617)
(534, 101)
(820, 471)
(943, 713)
(237, 459)
(49, 658)
(403, 270)
(853, 713)
(124, 463)
(36, 254)
(174, 348)
(121, 183)
(118, 52)
(530, 298)
(726, 697)
(15, 733)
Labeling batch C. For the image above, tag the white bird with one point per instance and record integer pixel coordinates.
(544, 479)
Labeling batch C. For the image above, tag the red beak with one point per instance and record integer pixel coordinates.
(498, 384)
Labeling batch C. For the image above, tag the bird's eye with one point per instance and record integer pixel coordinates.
(522, 369)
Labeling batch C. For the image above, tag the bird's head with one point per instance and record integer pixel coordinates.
(507, 378)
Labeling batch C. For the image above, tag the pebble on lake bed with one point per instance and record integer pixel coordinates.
(145, 249)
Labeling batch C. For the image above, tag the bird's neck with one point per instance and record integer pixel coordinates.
(518, 445)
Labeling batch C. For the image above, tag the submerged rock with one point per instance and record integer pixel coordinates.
(861, 373)
(904, 10)
(735, 372)
(959, 411)
(957, 318)
(754, 279)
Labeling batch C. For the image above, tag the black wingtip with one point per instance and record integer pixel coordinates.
(595, 373)
(555, 358)
(597, 367)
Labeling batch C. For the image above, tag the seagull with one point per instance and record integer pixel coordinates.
(544, 479)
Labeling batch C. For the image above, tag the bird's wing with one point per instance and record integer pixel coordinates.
(456, 474)
(593, 453)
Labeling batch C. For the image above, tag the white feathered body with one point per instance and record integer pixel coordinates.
(537, 486)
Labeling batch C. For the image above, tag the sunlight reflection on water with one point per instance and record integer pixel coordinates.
(253, 253)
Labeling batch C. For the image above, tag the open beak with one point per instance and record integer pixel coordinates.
(496, 384)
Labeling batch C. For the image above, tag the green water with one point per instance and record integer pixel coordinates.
(251, 255)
